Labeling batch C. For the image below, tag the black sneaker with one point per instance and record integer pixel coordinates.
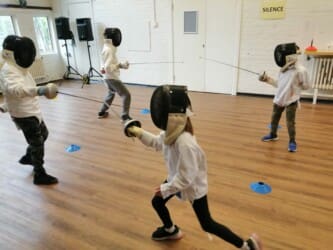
(25, 160)
(161, 234)
(42, 178)
(103, 114)
(125, 118)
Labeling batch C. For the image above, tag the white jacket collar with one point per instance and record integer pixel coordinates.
(108, 42)
(8, 57)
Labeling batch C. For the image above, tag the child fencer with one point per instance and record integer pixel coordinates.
(186, 165)
(292, 79)
(111, 72)
(21, 101)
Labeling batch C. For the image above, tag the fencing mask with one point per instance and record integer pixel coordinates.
(282, 51)
(168, 99)
(23, 49)
(114, 34)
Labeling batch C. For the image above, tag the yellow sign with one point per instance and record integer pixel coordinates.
(273, 9)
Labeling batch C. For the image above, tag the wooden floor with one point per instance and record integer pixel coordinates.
(103, 200)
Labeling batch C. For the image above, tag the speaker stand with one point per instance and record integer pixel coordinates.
(70, 70)
(91, 70)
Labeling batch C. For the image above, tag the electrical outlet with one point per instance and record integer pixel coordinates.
(330, 46)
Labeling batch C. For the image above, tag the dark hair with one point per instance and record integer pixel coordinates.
(188, 126)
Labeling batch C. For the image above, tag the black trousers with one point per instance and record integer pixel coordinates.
(201, 210)
(35, 133)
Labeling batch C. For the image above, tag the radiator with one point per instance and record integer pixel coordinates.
(37, 71)
(323, 73)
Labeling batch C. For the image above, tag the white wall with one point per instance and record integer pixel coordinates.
(146, 35)
(222, 45)
(143, 41)
(304, 21)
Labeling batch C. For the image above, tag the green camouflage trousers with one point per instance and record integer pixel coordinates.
(290, 117)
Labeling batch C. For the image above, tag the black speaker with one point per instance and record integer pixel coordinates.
(84, 29)
(63, 29)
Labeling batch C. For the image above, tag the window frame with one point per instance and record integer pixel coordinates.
(188, 15)
(13, 26)
(51, 34)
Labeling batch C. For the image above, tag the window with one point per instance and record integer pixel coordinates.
(43, 34)
(6, 28)
(190, 22)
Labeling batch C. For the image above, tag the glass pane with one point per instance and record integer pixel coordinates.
(190, 22)
(6, 28)
(43, 35)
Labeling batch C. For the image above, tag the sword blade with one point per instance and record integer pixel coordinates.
(230, 65)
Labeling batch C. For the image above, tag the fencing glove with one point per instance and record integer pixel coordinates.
(124, 65)
(135, 131)
(50, 90)
(263, 77)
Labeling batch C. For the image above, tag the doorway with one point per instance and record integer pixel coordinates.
(206, 30)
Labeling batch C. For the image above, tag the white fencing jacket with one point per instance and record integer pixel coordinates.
(290, 84)
(19, 90)
(186, 164)
(110, 61)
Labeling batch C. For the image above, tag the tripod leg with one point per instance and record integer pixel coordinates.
(90, 74)
(98, 74)
(74, 70)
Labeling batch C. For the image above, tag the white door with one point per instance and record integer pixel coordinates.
(82, 9)
(222, 45)
(204, 53)
(189, 43)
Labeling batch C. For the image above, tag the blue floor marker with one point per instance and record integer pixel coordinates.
(72, 148)
(145, 111)
(260, 187)
(270, 125)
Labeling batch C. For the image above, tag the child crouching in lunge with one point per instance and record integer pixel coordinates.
(186, 164)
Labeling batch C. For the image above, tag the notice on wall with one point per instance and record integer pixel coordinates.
(273, 9)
